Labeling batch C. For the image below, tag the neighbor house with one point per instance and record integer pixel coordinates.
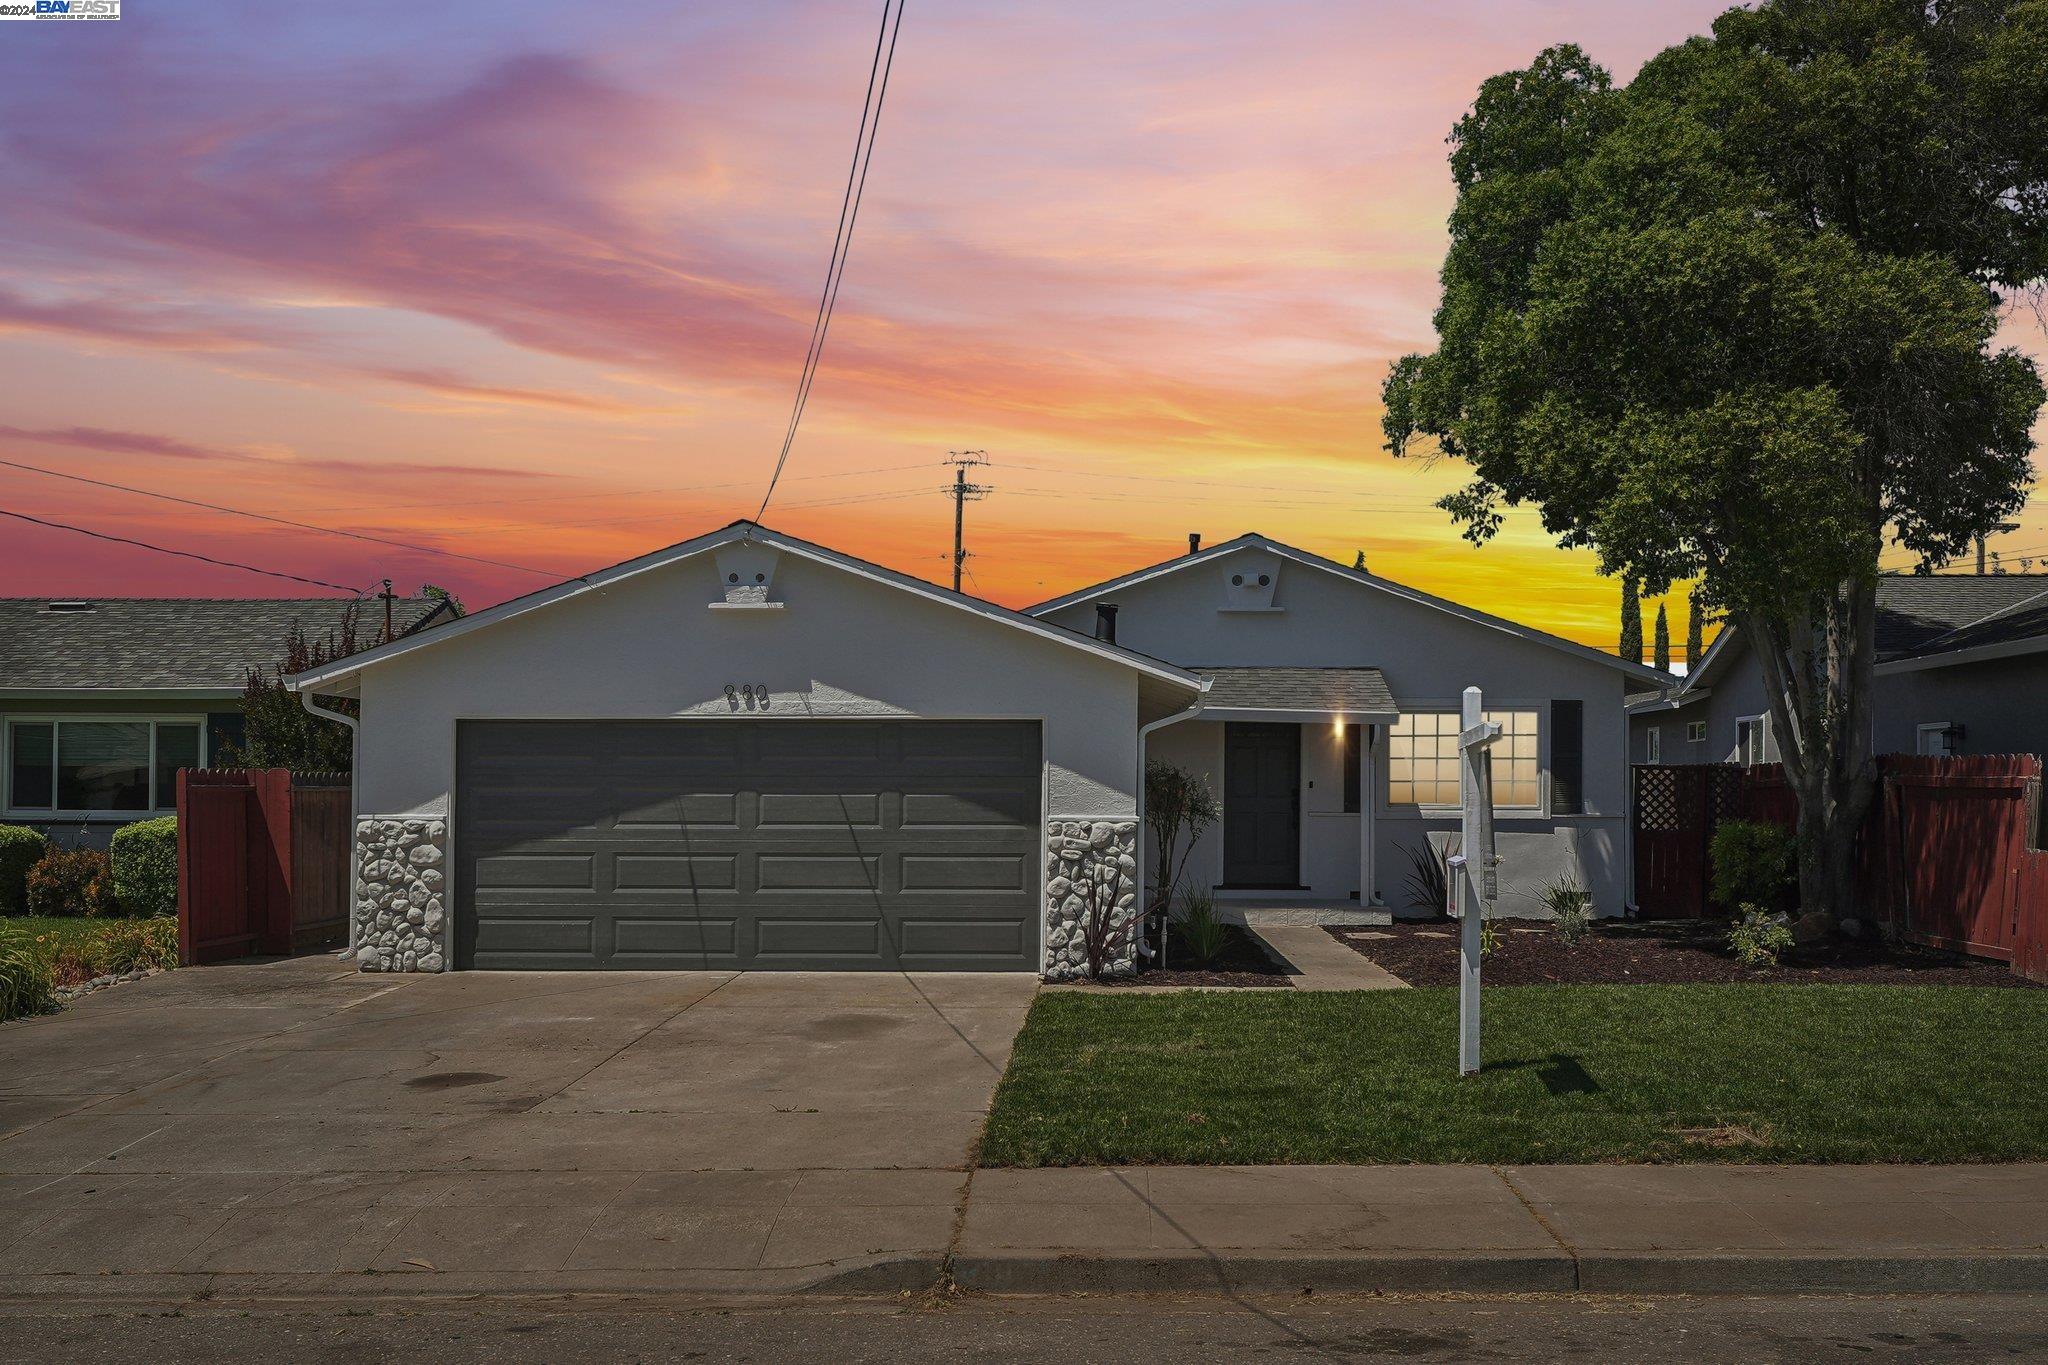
(103, 699)
(748, 750)
(1962, 662)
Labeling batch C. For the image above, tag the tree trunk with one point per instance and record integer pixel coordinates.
(1819, 666)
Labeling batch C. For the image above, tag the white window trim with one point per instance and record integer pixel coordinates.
(59, 815)
(1763, 726)
(1695, 732)
(1937, 727)
(1653, 744)
(1383, 756)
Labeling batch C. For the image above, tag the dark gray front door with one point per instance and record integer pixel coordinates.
(1261, 804)
(793, 844)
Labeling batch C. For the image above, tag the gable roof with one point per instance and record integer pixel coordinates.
(1252, 540)
(198, 645)
(570, 589)
(1318, 691)
(1930, 620)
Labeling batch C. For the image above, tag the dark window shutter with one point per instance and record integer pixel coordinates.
(1567, 758)
(1354, 750)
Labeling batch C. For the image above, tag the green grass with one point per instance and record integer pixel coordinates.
(1572, 1074)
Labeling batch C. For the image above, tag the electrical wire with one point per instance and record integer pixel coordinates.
(842, 241)
(182, 554)
(276, 521)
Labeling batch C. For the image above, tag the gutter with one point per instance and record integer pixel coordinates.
(1144, 735)
(355, 736)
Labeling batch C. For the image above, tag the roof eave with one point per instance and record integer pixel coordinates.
(2008, 649)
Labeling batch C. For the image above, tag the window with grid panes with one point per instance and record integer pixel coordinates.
(1422, 759)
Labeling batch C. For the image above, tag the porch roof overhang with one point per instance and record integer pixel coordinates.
(1359, 695)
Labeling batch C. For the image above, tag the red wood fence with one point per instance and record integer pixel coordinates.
(1949, 854)
(262, 862)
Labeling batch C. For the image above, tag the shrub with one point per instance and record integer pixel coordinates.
(1201, 929)
(1489, 939)
(71, 881)
(1572, 905)
(21, 848)
(1758, 936)
(1428, 879)
(128, 944)
(145, 860)
(1752, 864)
(25, 980)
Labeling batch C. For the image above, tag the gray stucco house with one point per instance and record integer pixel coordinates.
(748, 750)
(1962, 665)
(103, 699)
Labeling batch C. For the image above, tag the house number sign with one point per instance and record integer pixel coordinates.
(753, 695)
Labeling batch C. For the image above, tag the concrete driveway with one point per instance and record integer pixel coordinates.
(300, 1125)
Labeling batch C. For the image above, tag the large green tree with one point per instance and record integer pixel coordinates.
(1733, 322)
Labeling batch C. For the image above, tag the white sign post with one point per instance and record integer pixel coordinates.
(1477, 882)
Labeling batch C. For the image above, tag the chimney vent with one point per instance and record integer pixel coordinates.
(1194, 542)
(1105, 622)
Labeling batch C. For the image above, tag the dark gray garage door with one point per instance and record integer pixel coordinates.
(794, 844)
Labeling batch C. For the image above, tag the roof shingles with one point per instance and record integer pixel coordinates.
(1323, 691)
(169, 642)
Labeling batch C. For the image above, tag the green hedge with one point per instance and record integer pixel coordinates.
(71, 881)
(146, 867)
(21, 848)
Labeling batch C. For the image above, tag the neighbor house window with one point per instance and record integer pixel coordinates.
(1653, 744)
(1752, 740)
(1695, 732)
(89, 765)
(1939, 739)
(1422, 759)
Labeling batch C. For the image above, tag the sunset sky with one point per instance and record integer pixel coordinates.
(533, 282)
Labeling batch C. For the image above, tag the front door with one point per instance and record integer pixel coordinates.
(1262, 805)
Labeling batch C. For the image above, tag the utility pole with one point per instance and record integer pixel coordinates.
(963, 493)
(387, 595)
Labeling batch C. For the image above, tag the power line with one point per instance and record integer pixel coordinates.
(842, 240)
(963, 493)
(182, 554)
(277, 521)
(626, 492)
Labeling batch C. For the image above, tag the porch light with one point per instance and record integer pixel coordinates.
(1337, 727)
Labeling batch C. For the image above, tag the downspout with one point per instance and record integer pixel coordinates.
(355, 736)
(1144, 736)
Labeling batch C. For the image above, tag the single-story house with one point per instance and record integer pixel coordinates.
(748, 750)
(1330, 731)
(1962, 661)
(103, 699)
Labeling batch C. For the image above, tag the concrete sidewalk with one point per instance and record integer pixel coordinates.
(1523, 1229)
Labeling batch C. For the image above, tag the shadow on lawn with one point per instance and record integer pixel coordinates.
(1560, 1073)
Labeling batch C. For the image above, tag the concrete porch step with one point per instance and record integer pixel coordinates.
(1284, 916)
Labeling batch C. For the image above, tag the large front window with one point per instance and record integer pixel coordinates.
(88, 765)
(1422, 759)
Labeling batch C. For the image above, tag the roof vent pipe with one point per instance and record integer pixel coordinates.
(1105, 622)
(1194, 542)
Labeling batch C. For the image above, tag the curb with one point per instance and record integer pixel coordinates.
(1516, 1272)
(1192, 1271)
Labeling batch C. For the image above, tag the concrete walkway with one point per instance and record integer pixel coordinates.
(1317, 962)
(1618, 1229)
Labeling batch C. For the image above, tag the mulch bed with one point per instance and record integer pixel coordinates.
(1657, 952)
(1241, 963)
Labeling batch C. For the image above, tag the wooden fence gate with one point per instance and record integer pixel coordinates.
(1675, 812)
(262, 862)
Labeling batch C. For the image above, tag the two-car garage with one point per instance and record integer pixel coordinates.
(744, 752)
(740, 843)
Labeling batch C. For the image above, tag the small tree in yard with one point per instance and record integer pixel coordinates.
(1177, 803)
(1110, 921)
(279, 733)
(1733, 323)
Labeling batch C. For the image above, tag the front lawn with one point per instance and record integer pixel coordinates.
(1573, 1073)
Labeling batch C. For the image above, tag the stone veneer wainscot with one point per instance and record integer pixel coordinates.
(401, 878)
(1081, 851)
